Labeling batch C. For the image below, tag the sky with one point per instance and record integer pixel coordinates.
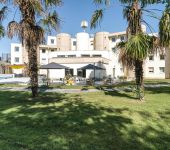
(72, 12)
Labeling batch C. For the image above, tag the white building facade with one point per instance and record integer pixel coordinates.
(83, 49)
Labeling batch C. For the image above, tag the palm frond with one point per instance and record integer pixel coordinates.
(124, 58)
(13, 29)
(52, 2)
(137, 46)
(142, 2)
(51, 21)
(2, 31)
(96, 18)
(133, 16)
(101, 2)
(164, 28)
(2, 13)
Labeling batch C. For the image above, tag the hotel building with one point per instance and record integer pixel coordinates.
(84, 49)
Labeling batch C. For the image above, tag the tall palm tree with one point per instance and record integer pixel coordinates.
(30, 31)
(2, 14)
(164, 33)
(133, 14)
(164, 27)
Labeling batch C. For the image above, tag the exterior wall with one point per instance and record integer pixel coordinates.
(84, 49)
(83, 41)
(52, 40)
(63, 42)
(56, 73)
(167, 63)
(17, 54)
(101, 41)
(73, 44)
(156, 64)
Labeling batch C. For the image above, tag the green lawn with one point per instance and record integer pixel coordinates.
(90, 121)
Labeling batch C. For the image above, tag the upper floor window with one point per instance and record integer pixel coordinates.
(43, 59)
(151, 69)
(17, 59)
(85, 55)
(97, 55)
(16, 49)
(43, 51)
(113, 39)
(74, 43)
(122, 38)
(61, 56)
(71, 56)
(151, 57)
(52, 41)
(52, 50)
(162, 69)
(162, 57)
(121, 69)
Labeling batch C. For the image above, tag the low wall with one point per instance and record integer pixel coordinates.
(7, 76)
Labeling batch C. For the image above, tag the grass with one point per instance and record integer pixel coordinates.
(93, 121)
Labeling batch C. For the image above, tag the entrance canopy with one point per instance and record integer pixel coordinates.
(53, 66)
(90, 66)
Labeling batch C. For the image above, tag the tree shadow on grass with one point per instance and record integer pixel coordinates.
(66, 122)
(158, 90)
(120, 94)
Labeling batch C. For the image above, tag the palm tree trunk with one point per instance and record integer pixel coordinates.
(33, 70)
(139, 79)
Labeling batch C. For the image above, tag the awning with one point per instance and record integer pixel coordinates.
(17, 66)
(90, 66)
(53, 66)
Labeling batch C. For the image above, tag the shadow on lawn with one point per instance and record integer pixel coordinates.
(61, 122)
(158, 90)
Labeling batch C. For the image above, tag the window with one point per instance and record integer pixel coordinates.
(97, 55)
(85, 55)
(16, 49)
(162, 57)
(61, 56)
(113, 39)
(52, 50)
(52, 41)
(43, 59)
(71, 56)
(122, 38)
(121, 69)
(151, 57)
(162, 69)
(43, 51)
(151, 69)
(74, 43)
(17, 59)
(114, 49)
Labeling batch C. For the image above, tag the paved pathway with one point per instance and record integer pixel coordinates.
(49, 90)
(24, 89)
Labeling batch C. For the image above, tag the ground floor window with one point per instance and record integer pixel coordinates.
(151, 69)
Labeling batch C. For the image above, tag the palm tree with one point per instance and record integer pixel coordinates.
(133, 14)
(31, 31)
(132, 54)
(2, 14)
(164, 27)
(164, 33)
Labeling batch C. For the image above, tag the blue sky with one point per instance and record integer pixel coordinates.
(74, 11)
